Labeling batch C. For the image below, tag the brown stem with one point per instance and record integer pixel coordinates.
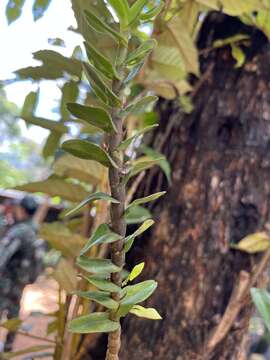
(118, 223)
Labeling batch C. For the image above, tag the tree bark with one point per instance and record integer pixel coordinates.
(219, 193)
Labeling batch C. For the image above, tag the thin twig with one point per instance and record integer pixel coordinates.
(35, 337)
(232, 310)
(239, 298)
(134, 187)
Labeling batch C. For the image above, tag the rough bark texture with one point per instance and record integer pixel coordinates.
(220, 157)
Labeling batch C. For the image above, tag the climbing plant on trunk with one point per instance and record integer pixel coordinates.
(109, 79)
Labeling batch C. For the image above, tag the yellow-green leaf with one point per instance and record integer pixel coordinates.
(11, 324)
(185, 44)
(69, 166)
(253, 243)
(136, 271)
(238, 55)
(147, 313)
(66, 275)
(130, 239)
(55, 186)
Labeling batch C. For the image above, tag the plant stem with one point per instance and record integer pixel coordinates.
(118, 223)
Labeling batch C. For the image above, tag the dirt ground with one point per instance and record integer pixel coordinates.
(40, 297)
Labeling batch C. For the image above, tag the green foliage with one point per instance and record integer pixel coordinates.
(134, 294)
(92, 197)
(83, 149)
(94, 116)
(108, 77)
(102, 235)
(261, 299)
(93, 323)
(97, 266)
(39, 8)
(14, 9)
(146, 313)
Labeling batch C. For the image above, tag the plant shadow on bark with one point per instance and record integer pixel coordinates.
(219, 193)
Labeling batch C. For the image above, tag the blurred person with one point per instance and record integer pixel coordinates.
(6, 216)
(21, 256)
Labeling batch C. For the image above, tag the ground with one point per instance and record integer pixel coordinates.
(40, 297)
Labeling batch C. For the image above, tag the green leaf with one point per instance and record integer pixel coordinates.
(26, 351)
(102, 284)
(130, 239)
(51, 144)
(261, 299)
(100, 297)
(101, 89)
(140, 106)
(135, 10)
(136, 271)
(135, 294)
(102, 235)
(93, 323)
(100, 62)
(185, 44)
(136, 215)
(97, 266)
(46, 123)
(136, 57)
(146, 199)
(55, 186)
(65, 274)
(62, 239)
(147, 313)
(39, 73)
(11, 324)
(94, 116)
(152, 13)
(30, 104)
(99, 26)
(83, 149)
(144, 163)
(90, 198)
(57, 61)
(253, 243)
(69, 166)
(14, 10)
(133, 72)
(39, 8)
(164, 164)
(70, 92)
(125, 144)
(122, 11)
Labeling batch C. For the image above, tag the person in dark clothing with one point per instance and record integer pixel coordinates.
(20, 260)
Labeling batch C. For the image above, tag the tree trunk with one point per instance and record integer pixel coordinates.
(219, 193)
